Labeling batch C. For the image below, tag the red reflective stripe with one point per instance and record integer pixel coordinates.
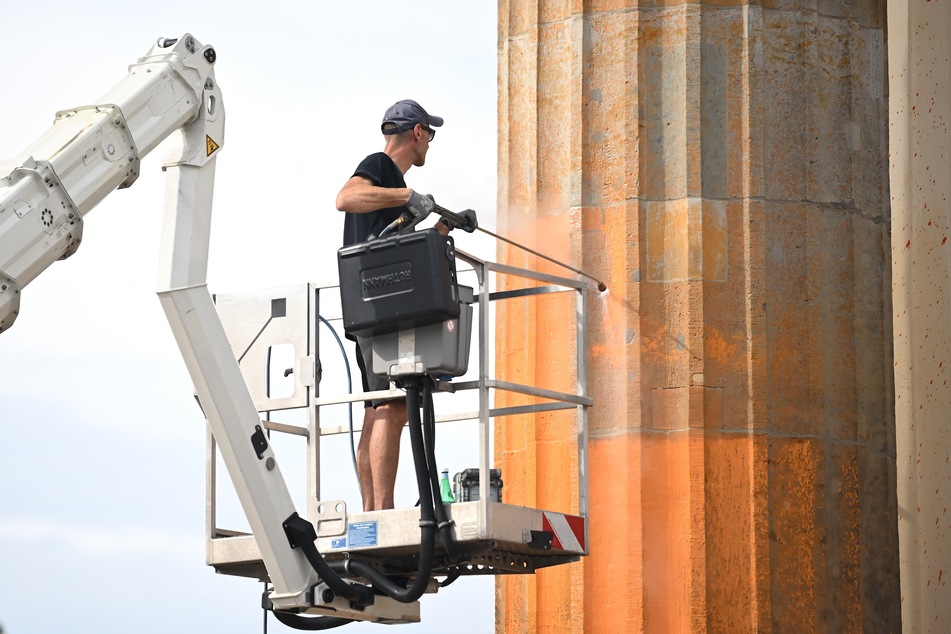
(564, 528)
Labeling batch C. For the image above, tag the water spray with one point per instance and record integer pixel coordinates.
(458, 221)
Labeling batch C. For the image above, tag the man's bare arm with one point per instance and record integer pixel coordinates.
(359, 196)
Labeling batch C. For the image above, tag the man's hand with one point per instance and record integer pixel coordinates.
(420, 205)
(470, 222)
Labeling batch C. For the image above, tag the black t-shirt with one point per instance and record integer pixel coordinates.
(382, 171)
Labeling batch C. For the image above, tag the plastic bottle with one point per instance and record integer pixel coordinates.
(445, 488)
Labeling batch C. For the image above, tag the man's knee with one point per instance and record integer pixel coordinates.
(392, 411)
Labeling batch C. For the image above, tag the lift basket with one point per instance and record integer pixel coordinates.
(397, 283)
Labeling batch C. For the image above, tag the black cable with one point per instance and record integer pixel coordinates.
(346, 361)
(452, 576)
(311, 623)
(443, 523)
(430, 448)
(301, 534)
(427, 518)
(298, 621)
(263, 608)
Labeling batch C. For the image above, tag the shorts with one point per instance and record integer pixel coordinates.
(372, 382)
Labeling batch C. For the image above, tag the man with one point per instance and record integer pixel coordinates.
(375, 196)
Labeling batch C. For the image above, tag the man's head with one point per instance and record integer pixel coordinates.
(409, 129)
(405, 115)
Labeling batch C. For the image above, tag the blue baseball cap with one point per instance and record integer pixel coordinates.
(405, 114)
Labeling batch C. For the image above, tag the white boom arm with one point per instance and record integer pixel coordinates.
(93, 150)
(47, 189)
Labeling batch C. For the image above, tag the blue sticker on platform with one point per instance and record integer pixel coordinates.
(340, 542)
(362, 534)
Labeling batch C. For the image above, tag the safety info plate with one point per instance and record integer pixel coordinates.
(359, 535)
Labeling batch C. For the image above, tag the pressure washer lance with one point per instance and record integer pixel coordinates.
(459, 221)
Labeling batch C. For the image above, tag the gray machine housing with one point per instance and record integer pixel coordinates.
(439, 350)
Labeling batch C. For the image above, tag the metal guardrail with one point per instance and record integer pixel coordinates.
(301, 308)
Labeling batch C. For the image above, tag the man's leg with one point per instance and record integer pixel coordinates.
(371, 382)
(378, 452)
(384, 445)
(364, 470)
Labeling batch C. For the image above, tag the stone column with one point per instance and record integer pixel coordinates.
(920, 142)
(722, 167)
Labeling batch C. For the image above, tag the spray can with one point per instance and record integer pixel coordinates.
(445, 488)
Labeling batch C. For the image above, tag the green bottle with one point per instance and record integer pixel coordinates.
(446, 488)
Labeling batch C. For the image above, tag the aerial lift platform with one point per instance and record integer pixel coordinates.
(492, 537)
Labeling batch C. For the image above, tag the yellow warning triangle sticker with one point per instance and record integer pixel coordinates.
(210, 145)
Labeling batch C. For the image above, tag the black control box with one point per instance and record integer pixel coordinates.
(398, 282)
(465, 485)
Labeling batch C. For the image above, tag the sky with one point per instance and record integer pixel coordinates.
(102, 493)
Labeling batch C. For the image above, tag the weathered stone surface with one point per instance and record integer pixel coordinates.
(721, 166)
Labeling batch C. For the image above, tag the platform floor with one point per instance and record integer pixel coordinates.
(493, 538)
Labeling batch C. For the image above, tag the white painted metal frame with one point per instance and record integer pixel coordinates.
(218, 381)
(557, 400)
(48, 188)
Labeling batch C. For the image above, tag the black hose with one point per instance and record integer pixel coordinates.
(298, 621)
(301, 534)
(427, 518)
(443, 523)
(429, 444)
(452, 576)
(312, 623)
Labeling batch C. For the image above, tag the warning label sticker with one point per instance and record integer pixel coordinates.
(362, 534)
(210, 145)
